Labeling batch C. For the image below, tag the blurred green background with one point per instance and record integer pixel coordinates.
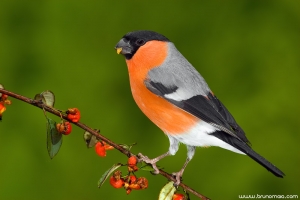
(248, 52)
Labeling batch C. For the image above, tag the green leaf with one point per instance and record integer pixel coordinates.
(107, 173)
(54, 138)
(90, 140)
(47, 97)
(39, 97)
(167, 191)
(146, 168)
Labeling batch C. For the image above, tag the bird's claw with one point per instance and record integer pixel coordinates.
(147, 160)
(178, 178)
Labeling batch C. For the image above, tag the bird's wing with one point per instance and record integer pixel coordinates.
(206, 107)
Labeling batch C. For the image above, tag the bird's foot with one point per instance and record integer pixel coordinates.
(149, 161)
(178, 177)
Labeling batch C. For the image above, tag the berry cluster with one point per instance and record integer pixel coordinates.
(65, 127)
(129, 182)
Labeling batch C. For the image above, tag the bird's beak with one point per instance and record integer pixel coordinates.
(119, 50)
(123, 47)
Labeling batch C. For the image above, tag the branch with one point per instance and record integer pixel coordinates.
(126, 152)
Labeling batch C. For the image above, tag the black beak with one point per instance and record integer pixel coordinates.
(123, 47)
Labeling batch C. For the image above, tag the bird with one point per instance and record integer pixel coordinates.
(177, 99)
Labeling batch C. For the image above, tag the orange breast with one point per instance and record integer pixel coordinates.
(166, 116)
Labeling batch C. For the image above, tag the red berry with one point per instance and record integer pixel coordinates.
(128, 191)
(116, 183)
(178, 196)
(138, 184)
(132, 161)
(134, 186)
(68, 128)
(73, 114)
(142, 182)
(60, 127)
(64, 128)
(133, 168)
(4, 97)
(132, 179)
(100, 149)
(2, 108)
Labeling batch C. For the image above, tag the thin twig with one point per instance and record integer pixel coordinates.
(58, 113)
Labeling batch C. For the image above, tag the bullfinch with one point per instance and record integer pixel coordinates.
(175, 97)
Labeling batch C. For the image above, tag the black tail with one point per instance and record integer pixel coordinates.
(242, 146)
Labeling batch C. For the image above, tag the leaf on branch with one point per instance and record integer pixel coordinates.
(90, 140)
(107, 173)
(167, 191)
(47, 97)
(54, 138)
(127, 147)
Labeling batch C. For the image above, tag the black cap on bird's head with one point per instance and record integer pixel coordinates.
(132, 41)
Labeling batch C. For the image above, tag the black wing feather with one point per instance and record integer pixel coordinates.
(228, 117)
(159, 88)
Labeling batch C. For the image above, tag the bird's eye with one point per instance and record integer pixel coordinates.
(140, 42)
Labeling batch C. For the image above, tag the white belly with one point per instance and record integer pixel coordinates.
(199, 136)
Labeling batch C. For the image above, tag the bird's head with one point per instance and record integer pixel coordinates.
(132, 41)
